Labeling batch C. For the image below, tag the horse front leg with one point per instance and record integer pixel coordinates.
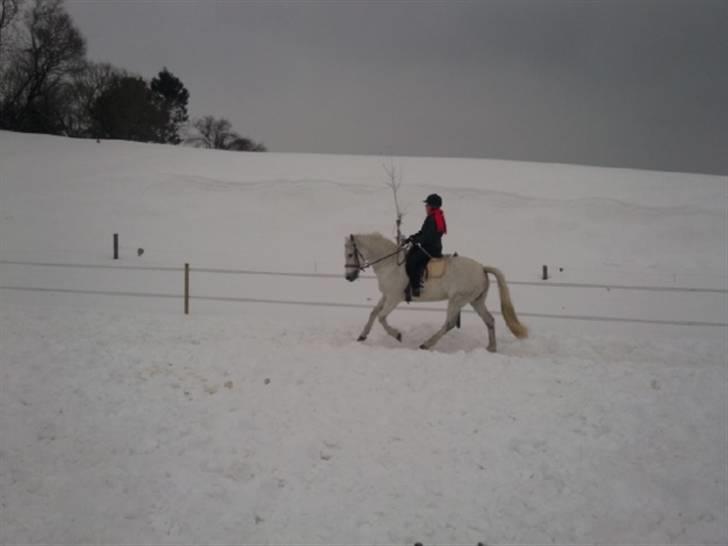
(453, 307)
(370, 322)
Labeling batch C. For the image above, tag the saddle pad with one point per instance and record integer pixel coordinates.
(436, 268)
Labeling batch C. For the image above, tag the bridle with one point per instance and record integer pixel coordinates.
(357, 254)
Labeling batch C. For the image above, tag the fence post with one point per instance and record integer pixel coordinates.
(457, 323)
(545, 273)
(187, 289)
(116, 246)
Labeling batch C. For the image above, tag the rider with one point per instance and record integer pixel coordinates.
(426, 243)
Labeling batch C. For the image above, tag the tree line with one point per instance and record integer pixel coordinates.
(47, 85)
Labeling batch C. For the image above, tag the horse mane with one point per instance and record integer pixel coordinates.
(377, 242)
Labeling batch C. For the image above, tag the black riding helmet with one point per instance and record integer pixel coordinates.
(434, 200)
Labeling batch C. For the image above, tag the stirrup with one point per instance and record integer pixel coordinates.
(412, 292)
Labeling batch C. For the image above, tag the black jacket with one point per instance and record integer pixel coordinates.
(429, 237)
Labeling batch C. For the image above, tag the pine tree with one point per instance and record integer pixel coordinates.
(128, 110)
(173, 98)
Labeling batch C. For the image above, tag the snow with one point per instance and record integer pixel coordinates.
(122, 421)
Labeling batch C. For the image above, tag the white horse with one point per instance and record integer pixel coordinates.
(464, 281)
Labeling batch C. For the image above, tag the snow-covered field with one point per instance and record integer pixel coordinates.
(124, 421)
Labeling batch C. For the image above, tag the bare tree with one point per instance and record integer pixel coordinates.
(9, 10)
(50, 50)
(9, 15)
(212, 133)
(243, 144)
(83, 91)
(218, 134)
(394, 181)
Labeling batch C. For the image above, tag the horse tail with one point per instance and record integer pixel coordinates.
(509, 313)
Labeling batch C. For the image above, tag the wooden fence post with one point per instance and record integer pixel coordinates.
(187, 289)
(116, 246)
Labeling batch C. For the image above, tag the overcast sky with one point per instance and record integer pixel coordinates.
(629, 83)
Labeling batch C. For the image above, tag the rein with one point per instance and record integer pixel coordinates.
(366, 264)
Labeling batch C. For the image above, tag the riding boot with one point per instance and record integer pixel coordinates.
(416, 283)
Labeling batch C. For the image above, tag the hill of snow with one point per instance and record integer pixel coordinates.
(124, 421)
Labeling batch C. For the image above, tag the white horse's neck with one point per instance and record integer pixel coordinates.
(377, 248)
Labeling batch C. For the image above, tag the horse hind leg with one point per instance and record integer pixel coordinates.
(453, 308)
(480, 308)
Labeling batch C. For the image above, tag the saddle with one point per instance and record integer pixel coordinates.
(436, 267)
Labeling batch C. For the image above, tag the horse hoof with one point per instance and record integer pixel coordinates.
(361, 338)
(398, 337)
(423, 347)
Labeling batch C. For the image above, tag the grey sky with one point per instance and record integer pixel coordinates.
(634, 83)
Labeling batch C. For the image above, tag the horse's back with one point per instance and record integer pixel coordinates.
(463, 263)
(460, 274)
